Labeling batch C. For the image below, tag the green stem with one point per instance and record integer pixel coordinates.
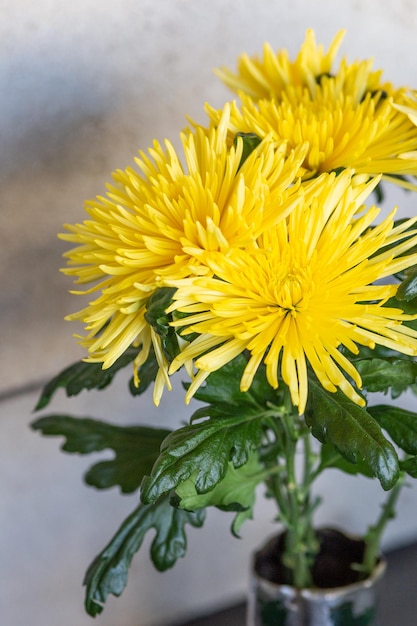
(275, 482)
(291, 490)
(300, 541)
(374, 534)
(310, 505)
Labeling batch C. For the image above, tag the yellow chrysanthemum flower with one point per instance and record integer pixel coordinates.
(348, 116)
(164, 222)
(308, 291)
(372, 137)
(269, 76)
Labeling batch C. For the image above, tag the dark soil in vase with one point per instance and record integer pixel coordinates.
(332, 567)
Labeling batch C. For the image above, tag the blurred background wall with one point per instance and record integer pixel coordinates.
(83, 85)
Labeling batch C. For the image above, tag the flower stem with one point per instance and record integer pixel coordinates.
(292, 494)
(374, 534)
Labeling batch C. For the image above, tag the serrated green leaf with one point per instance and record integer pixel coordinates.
(136, 448)
(233, 430)
(82, 375)
(334, 418)
(240, 518)
(236, 492)
(400, 424)
(108, 572)
(203, 450)
(387, 374)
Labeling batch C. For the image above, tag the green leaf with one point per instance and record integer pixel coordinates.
(334, 418)
(408, 288)
(236, 492)
(331, 458)
(250, 142)
(156, 317)
(203, 450)
(410, 466)
(387, 374)
(408, 306)
(222, 389)
(82, 375)
(108, 572)
(400, 424)
(136, 448)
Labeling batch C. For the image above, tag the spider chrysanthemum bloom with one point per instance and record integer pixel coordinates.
(163, 222)
(308, 291)
(269, 76)
(347, 115)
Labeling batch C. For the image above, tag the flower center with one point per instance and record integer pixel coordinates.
(292, 289)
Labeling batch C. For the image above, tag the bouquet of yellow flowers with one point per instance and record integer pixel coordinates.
(256, 263)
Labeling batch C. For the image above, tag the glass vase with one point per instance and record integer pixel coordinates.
(335, 603)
